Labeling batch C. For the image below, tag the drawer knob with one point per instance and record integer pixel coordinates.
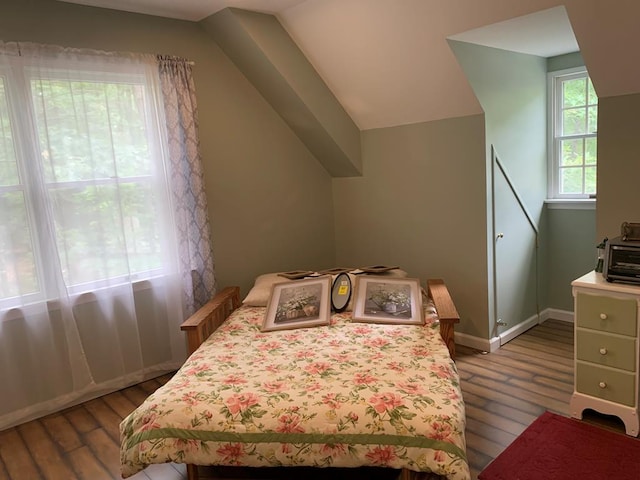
(603, 351)
(603, 316)
(602, 385)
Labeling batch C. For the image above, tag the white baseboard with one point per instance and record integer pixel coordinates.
(521, 327)
(562, 315)
(477, 343)
(493, 344)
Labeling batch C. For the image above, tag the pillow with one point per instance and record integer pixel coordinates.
(259, 295)
(396, 272)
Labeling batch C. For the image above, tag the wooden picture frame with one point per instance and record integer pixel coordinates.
(298, 304)
(388, 300)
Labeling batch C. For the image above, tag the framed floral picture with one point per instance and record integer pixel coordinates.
(299, 303)
(388, 300)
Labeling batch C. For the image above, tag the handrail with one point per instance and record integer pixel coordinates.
(515, 192)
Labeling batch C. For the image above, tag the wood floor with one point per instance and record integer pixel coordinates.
(504, 392)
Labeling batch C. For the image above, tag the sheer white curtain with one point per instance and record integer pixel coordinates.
(92, 287)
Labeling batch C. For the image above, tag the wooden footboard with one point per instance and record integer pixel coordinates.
(208, 318)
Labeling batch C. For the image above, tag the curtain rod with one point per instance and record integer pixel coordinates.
(4, 46)
(173, 58)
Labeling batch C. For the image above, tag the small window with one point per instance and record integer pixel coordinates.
(574, 135)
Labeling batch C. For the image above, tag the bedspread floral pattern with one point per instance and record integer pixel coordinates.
(347, 394)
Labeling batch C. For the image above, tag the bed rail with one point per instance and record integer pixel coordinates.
(447, 312)
(210, 316)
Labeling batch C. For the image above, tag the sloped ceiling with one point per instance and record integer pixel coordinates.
(388, 61)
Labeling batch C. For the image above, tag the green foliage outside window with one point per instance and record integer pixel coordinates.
(577, 162)
(96, 167)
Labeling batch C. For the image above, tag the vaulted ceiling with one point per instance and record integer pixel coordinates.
(388, 62)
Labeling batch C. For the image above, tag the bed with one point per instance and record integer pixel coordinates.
(346, 395)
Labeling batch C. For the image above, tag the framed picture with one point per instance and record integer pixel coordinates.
(299, 303)
(341, 292)
(388, 300)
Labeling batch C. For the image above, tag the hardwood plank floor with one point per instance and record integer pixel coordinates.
(504, 392)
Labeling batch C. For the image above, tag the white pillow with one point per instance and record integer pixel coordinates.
(259, 295)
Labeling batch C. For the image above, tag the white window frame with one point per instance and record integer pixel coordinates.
(23, 131)
(555, 121)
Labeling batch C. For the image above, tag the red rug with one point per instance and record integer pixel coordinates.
(559, 448)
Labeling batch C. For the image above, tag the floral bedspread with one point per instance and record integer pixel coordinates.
(343, 395)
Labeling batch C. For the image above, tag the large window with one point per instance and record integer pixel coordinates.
(79, 172)
(104, 240)
(574, 111)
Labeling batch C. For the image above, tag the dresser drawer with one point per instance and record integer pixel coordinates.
(602, 382)
(616, 315)
(609, 350)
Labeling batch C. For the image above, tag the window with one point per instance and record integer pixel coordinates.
(80, 177)
(573, 139)
(104, 242)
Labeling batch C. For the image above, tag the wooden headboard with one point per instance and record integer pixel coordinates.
(210, 316)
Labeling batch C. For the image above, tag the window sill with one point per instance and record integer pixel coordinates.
(571, 203)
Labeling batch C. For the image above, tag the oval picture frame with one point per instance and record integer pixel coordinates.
(341, 292)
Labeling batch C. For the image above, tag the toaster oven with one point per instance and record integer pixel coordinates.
(622, 261)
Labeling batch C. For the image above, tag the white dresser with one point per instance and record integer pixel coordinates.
(606, 334)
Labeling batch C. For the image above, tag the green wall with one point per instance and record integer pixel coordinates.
(270, 200)
(420, 204)
(563, 62)
(571, 247)
(511, 88)
(618, 163)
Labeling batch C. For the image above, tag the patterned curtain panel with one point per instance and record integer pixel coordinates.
(187, 182)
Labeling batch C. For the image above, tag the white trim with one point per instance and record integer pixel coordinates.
(629, 415)
(477, 343)
(521, 327)
(493, 344)
(562, 315)
(553, 120)
(571, 204)
(91, 391)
